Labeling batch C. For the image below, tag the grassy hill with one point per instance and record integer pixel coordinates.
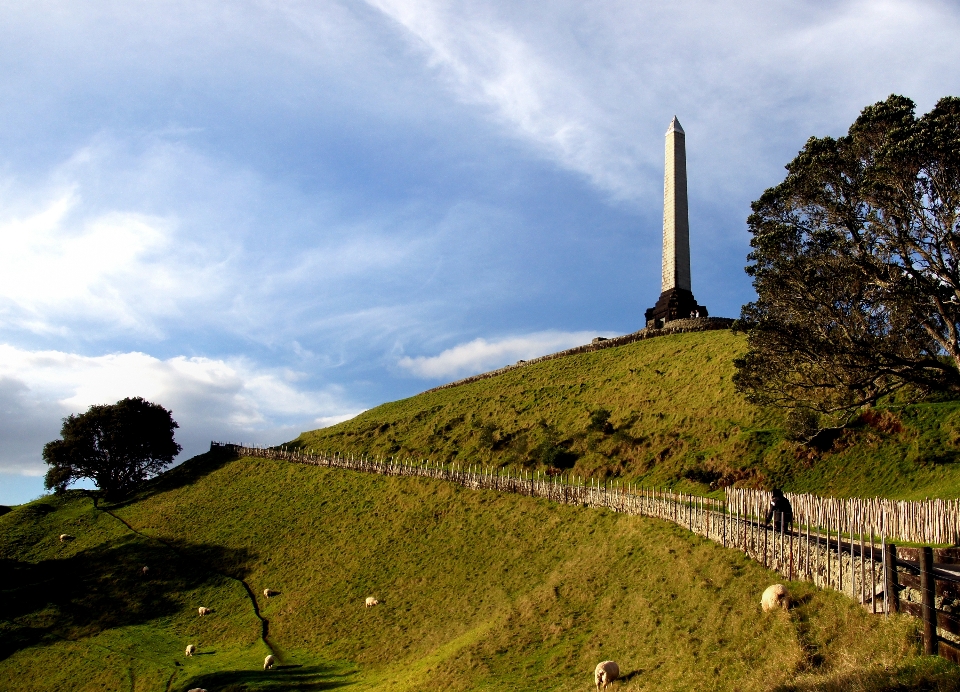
(675, 419)
(478, 592)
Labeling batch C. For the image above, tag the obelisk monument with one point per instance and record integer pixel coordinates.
(676, 297)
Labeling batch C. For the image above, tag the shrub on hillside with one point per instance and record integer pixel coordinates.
(600, 421)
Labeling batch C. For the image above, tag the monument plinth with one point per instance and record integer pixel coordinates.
(676, 298)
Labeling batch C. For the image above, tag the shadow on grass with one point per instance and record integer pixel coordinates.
(187, 473)
(946, 679)
(100, 588)
(281, 678)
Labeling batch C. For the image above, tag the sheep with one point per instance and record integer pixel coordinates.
(268, 662)
(144, 570)
(606, 672)
(267, 593)
(775, 596)
(204, 611)
(371, 601)
(65, 537)
(191, 650)
(197, 689)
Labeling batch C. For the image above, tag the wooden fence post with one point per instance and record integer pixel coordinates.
(928, 593)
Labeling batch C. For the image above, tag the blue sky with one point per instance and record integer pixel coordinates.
(269, 216)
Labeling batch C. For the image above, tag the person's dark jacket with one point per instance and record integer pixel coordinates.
(780, 511)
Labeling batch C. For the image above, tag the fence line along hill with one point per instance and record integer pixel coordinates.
(662, 411)
(844, 545)
(477, 590)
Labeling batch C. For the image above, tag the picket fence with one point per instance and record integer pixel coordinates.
(836, 544)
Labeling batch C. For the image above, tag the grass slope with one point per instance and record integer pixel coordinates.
(675, 420)
(479, 591)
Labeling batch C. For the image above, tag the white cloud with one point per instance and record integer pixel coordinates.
(481, 355)
(79, 258)
(593, 85)
(109, 269)
(231, 400)
(327, 421)
(495, 65)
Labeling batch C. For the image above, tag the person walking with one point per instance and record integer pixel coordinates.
(780, 511)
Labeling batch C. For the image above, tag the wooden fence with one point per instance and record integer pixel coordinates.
(837, 544)
(930, 522)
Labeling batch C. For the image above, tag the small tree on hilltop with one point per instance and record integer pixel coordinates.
(856, 264)
(117, 446)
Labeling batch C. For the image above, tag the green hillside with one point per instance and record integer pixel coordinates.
(675, 419)
(478, 592)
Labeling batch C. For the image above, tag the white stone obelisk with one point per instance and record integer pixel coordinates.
(676, 225)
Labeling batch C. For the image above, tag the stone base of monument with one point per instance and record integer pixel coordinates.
(674, 304)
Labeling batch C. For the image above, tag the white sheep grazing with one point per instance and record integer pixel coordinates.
(197, 689)
(267, 593)
(606, 672)
(191, 650)
(371, 601)
(774, 597)
(144, 570)
(204, 611)
(268, 662)
(64, 537)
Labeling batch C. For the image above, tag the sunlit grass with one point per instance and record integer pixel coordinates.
(478, 591)
(675, 420)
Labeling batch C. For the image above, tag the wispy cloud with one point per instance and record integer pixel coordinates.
(119, 268)
(481, 355)
(490, 63)
(79, 259)
(588, 84)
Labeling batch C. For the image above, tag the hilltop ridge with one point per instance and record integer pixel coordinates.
(699, 324)
(660, 411)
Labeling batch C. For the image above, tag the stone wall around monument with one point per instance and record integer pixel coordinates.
(674, 304)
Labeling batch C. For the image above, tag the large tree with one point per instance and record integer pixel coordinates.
(117, 446)
(856, 265)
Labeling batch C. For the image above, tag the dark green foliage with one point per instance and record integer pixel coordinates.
(117, 446)
(600, 421)
(801, 424)
(551, 453)
(59, 474)
(487, 435)
(856, 264)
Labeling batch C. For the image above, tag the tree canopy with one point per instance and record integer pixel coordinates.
(117, 446)
(856, 263)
